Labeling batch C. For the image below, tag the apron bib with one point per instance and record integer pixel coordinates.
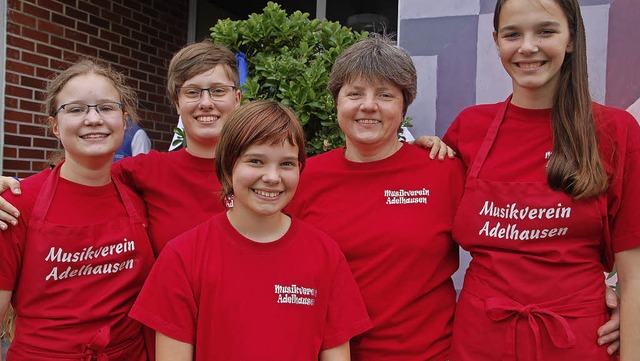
(77, 284)
(535, 288)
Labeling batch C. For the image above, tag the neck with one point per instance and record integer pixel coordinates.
(261, 229)
(372, 153)
(202, 150)
(93, 174)
(532, 99)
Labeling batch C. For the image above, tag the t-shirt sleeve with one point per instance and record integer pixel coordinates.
(11, 244)
(125, 170)
(626, 223)
(452, 136)
(166, 302)
(347, 315)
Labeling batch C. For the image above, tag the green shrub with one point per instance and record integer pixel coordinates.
(289, 58)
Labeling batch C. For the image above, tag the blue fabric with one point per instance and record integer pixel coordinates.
(243, 70)
(125, 149)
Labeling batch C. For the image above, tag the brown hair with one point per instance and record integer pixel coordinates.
(256, 122)
(8, 324)
(376, 59)
(196, 58)
(575, 166)
(128, 96)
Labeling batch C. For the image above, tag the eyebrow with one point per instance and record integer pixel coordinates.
(544, 24)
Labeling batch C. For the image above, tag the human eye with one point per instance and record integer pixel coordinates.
(107, 107)
(75, 108)
(511, 35)
(290, 164)
(546, 32)
(191, 92)
(354, 95)
(218, 91)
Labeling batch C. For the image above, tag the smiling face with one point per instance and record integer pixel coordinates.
(369, 114)
(88, 138)
(533, 39)
(264, 179)
(203, 118)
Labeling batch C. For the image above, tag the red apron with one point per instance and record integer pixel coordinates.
(77, 285)
(535, 287)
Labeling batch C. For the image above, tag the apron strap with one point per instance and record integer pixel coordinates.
(489, 139)
(45, 197)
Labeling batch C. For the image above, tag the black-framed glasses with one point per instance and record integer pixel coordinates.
(105, 110)
(216, 92)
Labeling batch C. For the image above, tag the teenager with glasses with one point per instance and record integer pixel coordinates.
(74, 263)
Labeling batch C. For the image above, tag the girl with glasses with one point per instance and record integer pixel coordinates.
(74, 263)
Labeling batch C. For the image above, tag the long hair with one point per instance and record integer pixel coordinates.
(8, 324)
(575, 166)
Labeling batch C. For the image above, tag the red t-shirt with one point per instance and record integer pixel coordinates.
(524, 143)
(180, 190)
(76, 272)
(392, 218)
(236, 299)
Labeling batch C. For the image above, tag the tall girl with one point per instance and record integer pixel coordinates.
(551, 188)
(253, 283)
(74, 264)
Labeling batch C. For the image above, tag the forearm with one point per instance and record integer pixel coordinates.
(628, 266)
(169, 349)
(338, 353)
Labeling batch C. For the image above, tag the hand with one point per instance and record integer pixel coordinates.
(610, 331)
(436, 145)
(8, 213)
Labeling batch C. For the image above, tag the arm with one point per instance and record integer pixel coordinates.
(168, 349)
(338, 353)
(5, 299)
(437, 146)
(628, 266)
(8, 213)
(610, 331)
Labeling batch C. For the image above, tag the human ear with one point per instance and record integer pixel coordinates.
(125, 116)
(570, 46)
(53, 123)
(495, 40)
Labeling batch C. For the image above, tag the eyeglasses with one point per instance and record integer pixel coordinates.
(216, 92)
(107, 110)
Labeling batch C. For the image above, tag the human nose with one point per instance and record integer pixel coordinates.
(205, 99)
(369, 103)
(271, 175)
(93, 116)
(529, 45)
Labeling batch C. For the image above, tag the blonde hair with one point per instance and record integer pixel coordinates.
(8, 324)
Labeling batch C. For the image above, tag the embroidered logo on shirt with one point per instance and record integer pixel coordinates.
(83, 260)
(296, 295)
(406, 196)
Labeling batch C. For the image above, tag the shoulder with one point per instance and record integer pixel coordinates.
(314, 238)
(616, 126)
(199, 237)
(30, 189)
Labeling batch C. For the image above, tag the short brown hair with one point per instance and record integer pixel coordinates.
(376, 59)
(256, 122)
(196, 58)
(128, 96)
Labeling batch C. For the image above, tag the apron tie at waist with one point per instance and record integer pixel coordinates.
(499, 309)
(98, 344)
(551, 314)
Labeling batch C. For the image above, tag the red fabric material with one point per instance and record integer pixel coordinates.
(180, 190)
(392, 218)
(229, 296)
(536, 278)
(74, 284)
